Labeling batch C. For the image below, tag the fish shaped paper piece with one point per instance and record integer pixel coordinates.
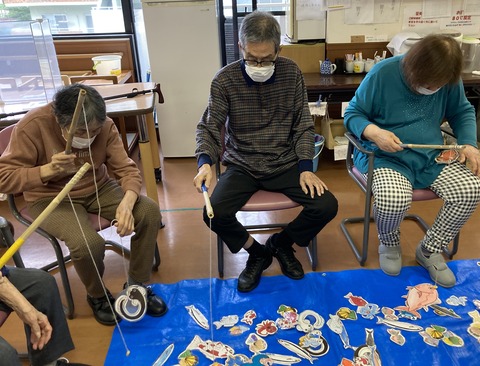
(283, 359)
(164, 356)
(356, 300)
(299, 351)
(420, 297)
(197, 316)
(443, 311)
(211, 349)
(457, 300)
(399, 325)
(226, 321)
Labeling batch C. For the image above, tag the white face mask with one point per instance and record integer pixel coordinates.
(260, 74)
(82, 143)
(426, 91)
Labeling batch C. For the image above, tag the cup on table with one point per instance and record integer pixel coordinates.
(349, 66)
(358, 66)
(327, 67)
(369, 64)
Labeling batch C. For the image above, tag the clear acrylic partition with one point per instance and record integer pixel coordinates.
(29, 72)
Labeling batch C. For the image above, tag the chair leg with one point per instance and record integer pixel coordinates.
(7, 239)
(220, 256)
(360, 255)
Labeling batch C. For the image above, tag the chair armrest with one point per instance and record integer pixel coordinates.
(357, 144)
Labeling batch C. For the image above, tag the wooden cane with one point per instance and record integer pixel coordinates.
(36, 223)
(208, 205)
(442, 147)
(75, 118)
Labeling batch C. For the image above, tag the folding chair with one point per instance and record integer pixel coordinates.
(365, 184)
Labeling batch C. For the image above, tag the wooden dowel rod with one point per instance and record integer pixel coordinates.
(36, 223)
(75, 118)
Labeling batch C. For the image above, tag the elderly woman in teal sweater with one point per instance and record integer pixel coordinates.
(403, 100)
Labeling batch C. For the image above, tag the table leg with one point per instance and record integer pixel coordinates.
(147, 161)
(154, 146)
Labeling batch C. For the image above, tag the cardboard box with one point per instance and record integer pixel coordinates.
(331, 128)
(305, 55)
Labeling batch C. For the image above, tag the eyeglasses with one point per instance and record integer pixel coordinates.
(259, 63)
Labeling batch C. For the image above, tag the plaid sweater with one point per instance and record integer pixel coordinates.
(268, 126)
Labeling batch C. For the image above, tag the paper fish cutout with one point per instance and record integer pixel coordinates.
(368, 311)
(399, 325)
(238, 329)
(476, 302)
(367, 354)
(345, 313)
(164, 356)
(418, 297)
(266, 327)
(283, 359)
(457, 300)
(336, 326)
(451, 339)
(255, 343)
(197, 316)
(226, 321)
(396, 336)
(428, 339)
(211, 349)
(314, 343)
(355, 300)
(389, 313)
(443, 311)
(249, 316)
(299, 351)
(474, 327)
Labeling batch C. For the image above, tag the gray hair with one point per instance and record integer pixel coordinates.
(260, 27)
(65, 101)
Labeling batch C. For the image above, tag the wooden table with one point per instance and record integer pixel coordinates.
(142, 105)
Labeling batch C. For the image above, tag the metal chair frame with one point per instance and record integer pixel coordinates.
(365, 184)
(250, 206)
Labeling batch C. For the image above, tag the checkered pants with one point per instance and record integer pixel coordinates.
(456, 185)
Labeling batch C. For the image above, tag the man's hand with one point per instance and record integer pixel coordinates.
(471, 154)
(125, 222)
(384, 139)
(310, 183)
(204, 175)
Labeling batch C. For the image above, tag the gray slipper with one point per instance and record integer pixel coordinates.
(436, 267)
(390, 259)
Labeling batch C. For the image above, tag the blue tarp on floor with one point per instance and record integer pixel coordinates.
(322, 292)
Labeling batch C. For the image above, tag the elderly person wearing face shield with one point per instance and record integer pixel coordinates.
(403, 100)
(35, 163)
(260, 102)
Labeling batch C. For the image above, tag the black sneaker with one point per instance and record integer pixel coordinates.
(102, 310)
(290, 265)
(250, 276)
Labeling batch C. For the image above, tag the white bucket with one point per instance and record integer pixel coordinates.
(107, 64)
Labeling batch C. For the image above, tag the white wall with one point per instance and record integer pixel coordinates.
(339, 32)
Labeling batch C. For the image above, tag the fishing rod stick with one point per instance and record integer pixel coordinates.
(442, 147)
(208, 205)
(36, 223)
(75, 118)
